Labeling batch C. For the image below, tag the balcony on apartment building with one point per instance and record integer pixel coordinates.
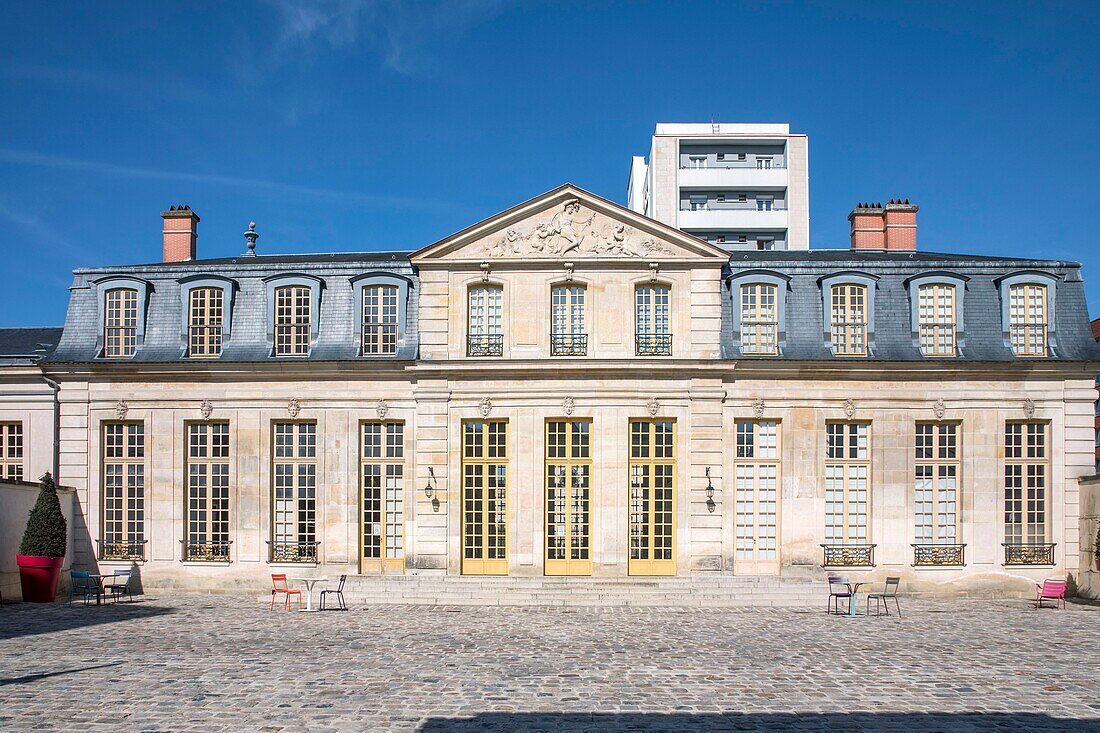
(718, 174)
(752, 215)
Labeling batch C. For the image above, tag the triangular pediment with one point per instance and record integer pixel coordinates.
(572, 224)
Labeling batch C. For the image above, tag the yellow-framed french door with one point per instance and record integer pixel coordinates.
(756, 498)
(484, 497)
(652, 497)
(381, 496)
(568, 497)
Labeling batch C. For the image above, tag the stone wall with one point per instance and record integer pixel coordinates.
(16, 501)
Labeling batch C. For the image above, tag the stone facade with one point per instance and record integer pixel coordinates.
(704, 387)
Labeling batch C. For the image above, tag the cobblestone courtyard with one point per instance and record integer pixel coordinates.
(227, 664)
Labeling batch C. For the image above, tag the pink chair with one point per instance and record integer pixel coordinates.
(1050, 590)
(279, 585)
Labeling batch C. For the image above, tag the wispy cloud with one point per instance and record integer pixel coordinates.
(23, 157)
(402, 32)
(36, 228)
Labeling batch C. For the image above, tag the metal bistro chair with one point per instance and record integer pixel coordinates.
(883, 598)
(82, 586)
(121, 585)
(339, 593)
(279, 585)
(1051, 590)
(838, 588)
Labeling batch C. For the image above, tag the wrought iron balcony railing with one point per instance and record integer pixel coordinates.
(653, 344)
(485, 344)
(292, 552)
(743, 165)
(121, 550)
(205, 551)
(849, 556)
(1029, 553)
(927, 555)
(568, 344)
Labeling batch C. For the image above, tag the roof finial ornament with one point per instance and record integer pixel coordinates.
(251, 236)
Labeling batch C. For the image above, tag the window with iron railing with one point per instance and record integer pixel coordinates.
(936, 483)
(205, 320)
(120, 322)
(652, 320)
(379, 320)
(1027, 469)
(123, 457)
(485, 321)
(759, 319)
(936, 319)
(293, 315)
(1027, 319)
(208, 493)
(567, 321)
(294, 483)
(847, 482)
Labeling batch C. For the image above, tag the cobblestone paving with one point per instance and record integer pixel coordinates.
(203, 663)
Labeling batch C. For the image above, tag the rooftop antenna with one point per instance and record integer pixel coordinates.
(251, 236)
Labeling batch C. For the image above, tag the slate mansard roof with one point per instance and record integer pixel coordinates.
(27, 345)
(892, 338)
(248, 340)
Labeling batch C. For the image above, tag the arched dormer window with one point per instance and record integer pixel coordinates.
(758, 299)
(653, 319)
(122, 306)
(207, 306)
(485, 320)
(936, 312)
(1027, 312)
(294, 310)
(382, 300)
(848, 308)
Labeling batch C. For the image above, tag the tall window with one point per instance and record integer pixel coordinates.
(123, 487)
(11, 450)
(568, 497)
(379, 319)
(205, 320)
(292, 320)
(759, 319)
(120, 321)
(848, 319)
(764, 163)
(847, 482)
(485, 327)
(567, 337)
(485, 497)
(1027, 319)
(756, 476)
(382, 471)
(1026, 471)
(295, 491)
(652, 320)
(936, 477)
(764, 203)
(652, 490)
(207, 491)
(936, 319)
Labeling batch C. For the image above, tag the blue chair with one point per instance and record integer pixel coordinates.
(82, 586)
(120, 585)
(838, 591)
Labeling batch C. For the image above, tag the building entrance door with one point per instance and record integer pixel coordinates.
(568, 497)
(652, 497)
(485, 497)
(756, 501)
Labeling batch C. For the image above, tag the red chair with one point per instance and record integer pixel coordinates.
(1050, 590)
(279, 585)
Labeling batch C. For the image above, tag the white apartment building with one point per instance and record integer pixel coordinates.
(737, 185)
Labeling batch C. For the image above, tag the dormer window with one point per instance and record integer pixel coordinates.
(120, 322)
(1027, 319)
(206, 313)
(936, 319)
(379, 319)
(293, 315)
(758, 300)
(848, 319)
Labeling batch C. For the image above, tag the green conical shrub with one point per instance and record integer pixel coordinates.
(46, 529)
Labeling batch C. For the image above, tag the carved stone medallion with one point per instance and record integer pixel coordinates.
(382, 409)
(849, 408)
(939, 409)
(293, 407)
(653, 406)
(206, 407)
(568, 405)
(1029, 408)
(485, 407)
(758, 408)
(121, 408)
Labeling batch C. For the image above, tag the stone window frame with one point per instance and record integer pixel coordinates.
(467, 323)
(13, 442)
(781, 282)
(121, 282)
(229, 288)
(377, 278)
(847, 277)
(1028, 277)
(956, 280)
(315, 285)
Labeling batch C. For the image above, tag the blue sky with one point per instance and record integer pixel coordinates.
(387, 125)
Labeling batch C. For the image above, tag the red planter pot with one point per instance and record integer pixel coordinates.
(38, 577)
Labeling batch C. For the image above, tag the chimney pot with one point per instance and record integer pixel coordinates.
(181, 229)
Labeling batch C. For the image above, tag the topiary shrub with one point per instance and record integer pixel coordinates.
(46, 531)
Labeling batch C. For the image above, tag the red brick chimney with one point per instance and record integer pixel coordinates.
(890, 227)
(181, 229)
